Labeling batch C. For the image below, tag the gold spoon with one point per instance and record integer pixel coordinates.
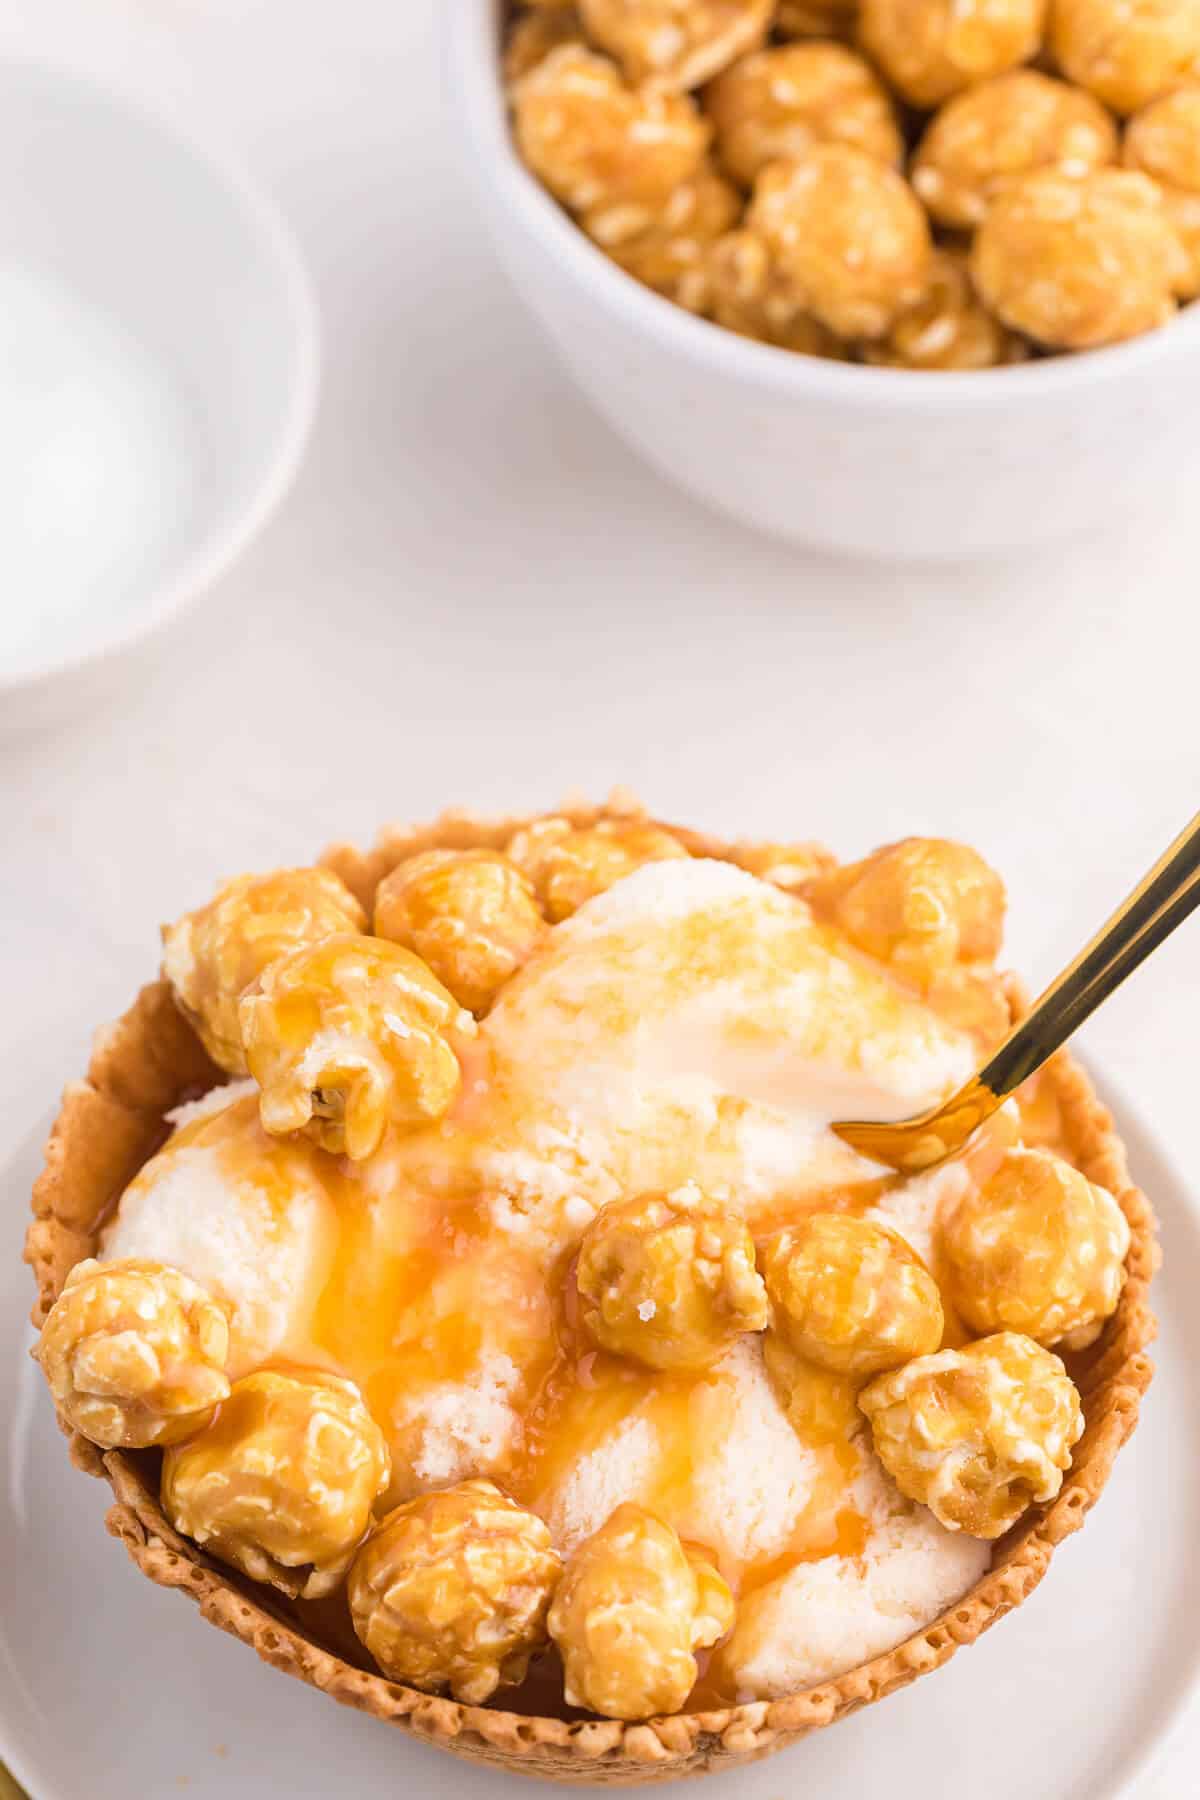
(1156, 906)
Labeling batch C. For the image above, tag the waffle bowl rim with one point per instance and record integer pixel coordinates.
(112, 1121)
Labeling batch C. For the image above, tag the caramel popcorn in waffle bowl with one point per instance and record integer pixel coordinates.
(516, 1356)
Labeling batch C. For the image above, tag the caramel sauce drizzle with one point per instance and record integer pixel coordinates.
(420, 1288)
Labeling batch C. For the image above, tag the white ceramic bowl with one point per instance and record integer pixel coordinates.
(877, 462)
(158, 355)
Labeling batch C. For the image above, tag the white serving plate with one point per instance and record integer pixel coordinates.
(110, 1687)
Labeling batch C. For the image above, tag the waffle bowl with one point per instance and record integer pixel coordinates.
(112, 1121)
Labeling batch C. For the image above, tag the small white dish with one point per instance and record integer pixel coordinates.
(110, 1687)
(874, 462)
(158, 361)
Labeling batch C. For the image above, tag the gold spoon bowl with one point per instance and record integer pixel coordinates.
(1160, 902)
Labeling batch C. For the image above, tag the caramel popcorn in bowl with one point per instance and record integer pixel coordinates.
(849, 234)
(632, 1609)
(669, 1280)
(752, 296)
(850, 1295)
(348, 1037)
(134, 1353)
(948, 328)
(1126, 52)
(978, 1435)
(930, 49)
(816, 18)
(470, 915)
(282, 1482)
(569, 866)
(211, 956)
(1002, 128)
(676, 43)
(696, 142)
(1163, 141)
(1037, 1249)
(535, 35)
(451, 1592)
(672, 255)
(605, 149)
(778, 103)
(1075, 262)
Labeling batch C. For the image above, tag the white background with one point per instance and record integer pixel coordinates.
(475, 595)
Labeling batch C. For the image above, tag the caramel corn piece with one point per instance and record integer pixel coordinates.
(348, 1037)
(925, 905)
(948, 328)
(470, 915)
(850, 1295)
(669, 1280)
(930, 49)
(1001, 129)
(451, 1592)
(779, 102)
(977, 1435)
(281, 1484)
(134, 1353)
(212, 955)
(605, 149)
(848, 234)
(1075, 263)
(1037, 1249)
(676, 44)
(569, 865)
(631, 1610)
(1163, 141)
(1126, 52)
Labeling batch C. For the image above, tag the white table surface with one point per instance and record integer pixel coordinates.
(474, 594)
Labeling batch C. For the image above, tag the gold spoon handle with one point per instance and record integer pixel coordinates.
(1156, 906)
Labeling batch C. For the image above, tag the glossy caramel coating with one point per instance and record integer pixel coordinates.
(1126, 52)
(850, 1295)
(281, 1484)
(948, 328)
(533, 35)
(672, 255)
(669, 1280)
(569, 865)
(676, 43)
(1001, 129)
(1163, 141)
(978, 1435)
(924, 905)
(1037, 1249)
(816, 18)
(349, 1037)
(450, 1593)
(752, 296)
(134, 1353)
(631, 1610)
(212, 955)
(779, 102)
(470, 915)
(848, 233)
(930, 49)
(612, 153)
(1076, 263)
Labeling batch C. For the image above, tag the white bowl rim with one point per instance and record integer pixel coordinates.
(220, 548)
(475, 78)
